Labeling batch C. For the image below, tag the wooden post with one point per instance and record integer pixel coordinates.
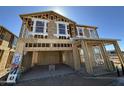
(20, 46)
(105, 56)
(34, 57)
(88, 61)
(91, 55)
(107, 61)
(119, 53)
(76, 57)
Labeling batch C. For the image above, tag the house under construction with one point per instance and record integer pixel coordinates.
(7, 48)
(49, 38)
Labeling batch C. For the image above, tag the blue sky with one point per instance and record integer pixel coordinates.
(109, 20)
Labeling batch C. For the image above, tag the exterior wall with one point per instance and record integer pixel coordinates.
(47, 58)
(53, 19)
(52, 29)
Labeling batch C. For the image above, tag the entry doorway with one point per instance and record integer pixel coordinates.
(98, 63)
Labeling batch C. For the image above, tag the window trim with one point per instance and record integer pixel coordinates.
(95, 33)
(43, 27)
(66, 30)
(82, 32)
(34, 27)
(62, 28)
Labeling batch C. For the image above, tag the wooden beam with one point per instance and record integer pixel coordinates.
(119, 52)
(105, 56)
(34, 57)
(76, 57)
(88, 61)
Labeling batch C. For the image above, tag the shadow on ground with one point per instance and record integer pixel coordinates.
(64, 76)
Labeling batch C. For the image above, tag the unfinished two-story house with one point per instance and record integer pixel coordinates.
(49, 38)
(7, 48)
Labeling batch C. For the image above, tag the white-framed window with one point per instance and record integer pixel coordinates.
(62, 29)
(39, 27)
(80, 32)
(93, 33)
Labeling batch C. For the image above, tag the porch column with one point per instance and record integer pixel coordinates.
(76, 57)
(108, 65)
(91, 55)
(119, 52)
(34, 57)
(87, 56)
(4, 59)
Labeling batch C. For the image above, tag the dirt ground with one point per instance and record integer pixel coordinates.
(65, 76)
(69, 80)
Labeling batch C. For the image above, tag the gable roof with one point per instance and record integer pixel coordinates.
(35, 13)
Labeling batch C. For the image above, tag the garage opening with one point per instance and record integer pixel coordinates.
(50, 63)
(47, 59)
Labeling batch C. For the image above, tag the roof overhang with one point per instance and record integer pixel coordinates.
(97, 39)
(87, 26)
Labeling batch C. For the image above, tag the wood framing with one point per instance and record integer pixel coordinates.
(50, 38)
(7, 47)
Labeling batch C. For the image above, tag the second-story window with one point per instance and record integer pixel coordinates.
(39, 27)
(93, 34)
(80, 31)
(62, 29)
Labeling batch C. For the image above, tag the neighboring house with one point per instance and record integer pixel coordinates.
(7, 47)
(50, 38)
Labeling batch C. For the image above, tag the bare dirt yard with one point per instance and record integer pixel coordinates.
(69, 80)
